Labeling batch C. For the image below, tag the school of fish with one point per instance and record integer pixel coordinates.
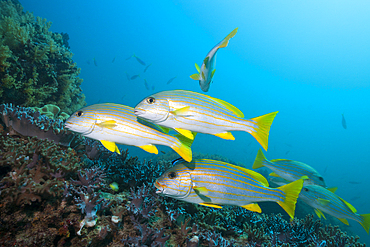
(206, 182)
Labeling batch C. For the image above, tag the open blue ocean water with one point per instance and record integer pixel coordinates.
(309, 60)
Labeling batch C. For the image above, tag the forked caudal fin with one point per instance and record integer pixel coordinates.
(260, 158)
(262, 129)
(183, 147)
(365, 223)
(291, 191)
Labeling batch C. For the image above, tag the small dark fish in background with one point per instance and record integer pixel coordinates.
(163, 152)
(128, 76)
(354, 182)
(153, 88)
(344, 123)
(287, 152)
(355, 198)
(88, 62)
(134, 77)
(114, 59)
(146, 84)
(139, 60)
(95, 63)
(170, 80)
(147, 68)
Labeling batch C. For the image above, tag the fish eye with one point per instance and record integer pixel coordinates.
(305, 189)
(150, 100)
(172, 175)
(79, 113)
(321, 178)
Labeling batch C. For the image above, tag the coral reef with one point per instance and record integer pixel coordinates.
(27, 122)
(36, 66)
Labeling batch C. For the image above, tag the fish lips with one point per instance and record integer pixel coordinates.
(139, 112)
(159, 187)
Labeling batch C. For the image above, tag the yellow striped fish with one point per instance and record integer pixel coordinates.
(114, 123)
(289, 169)
(207, 70)
(187, 111)
(213, 183)
(324, 200)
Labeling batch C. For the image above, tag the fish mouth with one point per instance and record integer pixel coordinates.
(68, 125)
(139, 112)
(159, 187)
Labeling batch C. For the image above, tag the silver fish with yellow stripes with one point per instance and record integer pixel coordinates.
(187, 111)
(114, 123)
(289, 169)
(324, 200)
(207, 71)
(213, 183)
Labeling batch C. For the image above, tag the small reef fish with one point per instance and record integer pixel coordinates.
(170, 80)
(207, 71)
(344, 123)
(289, 169)
(137, 59)
(95, 62)
(114, 123)
(134, 77)
(324, 200)
(146, 85)
(187, 111)
(146, 68)
(114, 186)
(214, 183)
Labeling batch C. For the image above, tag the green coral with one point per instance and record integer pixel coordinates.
(36, 66)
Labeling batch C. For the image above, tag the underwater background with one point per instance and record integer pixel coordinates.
(309, 60)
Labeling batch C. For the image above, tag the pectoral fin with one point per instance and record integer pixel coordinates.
(203, 76)
(187, 133)
(323, 202)
(253, 207)
(111, 146)
(195, 77)
(107, 124)
(182, 112)
(273, 174)
(201, 190)
(205, 61)
(210, 205)
(213, 73)
(149, 148)
(225, 135)
(332, 189)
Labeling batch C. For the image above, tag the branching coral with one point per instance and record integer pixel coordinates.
(36, 66)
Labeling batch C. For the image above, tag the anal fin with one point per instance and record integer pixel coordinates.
(149, 148)
(225, 135)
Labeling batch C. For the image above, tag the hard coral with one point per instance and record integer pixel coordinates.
(36, 66)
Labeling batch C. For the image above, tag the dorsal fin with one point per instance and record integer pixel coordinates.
(230, 107)
(261, 179)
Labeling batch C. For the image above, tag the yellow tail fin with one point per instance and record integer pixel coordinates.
(225, 41)
(291, 191)
(365, 222)
(258, 162)
(183, 147)
(261, 132)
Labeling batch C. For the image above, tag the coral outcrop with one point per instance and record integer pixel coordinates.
(36, 66)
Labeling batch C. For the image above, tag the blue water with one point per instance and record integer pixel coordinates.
(309, 60)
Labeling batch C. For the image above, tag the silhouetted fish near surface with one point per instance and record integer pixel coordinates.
(207, 70)
(146, 68)
(354, 182)
(95, 63)
(170, 80)
(344, 123)
(134, 77)
(114, 59)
